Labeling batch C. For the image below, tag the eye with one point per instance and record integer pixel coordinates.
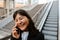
(16, 20)
(20, 18)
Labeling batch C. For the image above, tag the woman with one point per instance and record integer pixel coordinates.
(24, 28)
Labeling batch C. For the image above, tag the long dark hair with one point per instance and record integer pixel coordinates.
(31, 27)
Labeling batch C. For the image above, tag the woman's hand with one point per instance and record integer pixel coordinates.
(15, 33)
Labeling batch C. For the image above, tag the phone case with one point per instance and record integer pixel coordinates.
(19, 30)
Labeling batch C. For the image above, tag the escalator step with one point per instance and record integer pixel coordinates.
(50, 29)
(52, 19)
(53, 15)
(48, 37)
(1, 37)
(49, 32)
(3, 34)
(51, 22)
(6, 30)
(50, 25)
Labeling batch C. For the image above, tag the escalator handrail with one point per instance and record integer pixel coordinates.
(44, 17)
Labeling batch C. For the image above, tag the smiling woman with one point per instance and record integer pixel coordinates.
(24, 28)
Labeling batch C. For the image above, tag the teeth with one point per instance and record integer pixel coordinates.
(22, 23)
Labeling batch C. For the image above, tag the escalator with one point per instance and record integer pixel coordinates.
(50, 27)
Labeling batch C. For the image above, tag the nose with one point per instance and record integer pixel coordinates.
(20, 21)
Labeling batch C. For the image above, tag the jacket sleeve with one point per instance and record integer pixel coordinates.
(40, 36)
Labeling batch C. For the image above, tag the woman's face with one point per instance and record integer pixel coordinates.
(21, 21)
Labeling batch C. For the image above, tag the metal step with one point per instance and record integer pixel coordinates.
(3, 34)
(50, 28)
(50, 25)
(51, 22)
(52, 33)
(6, 30)
(49, 37)
(52, 17)
(53, 14)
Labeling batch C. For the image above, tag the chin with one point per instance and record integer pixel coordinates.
(22, 29)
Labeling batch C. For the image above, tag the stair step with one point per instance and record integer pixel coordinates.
(1, 37)
(3, 34)
(48, 37)
(50, 25)
(53, 14)
(50, 29)
(51, 22)
(52, 17)
(5, 30)
(49, 32)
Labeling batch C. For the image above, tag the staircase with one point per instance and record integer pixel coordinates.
(50, 27)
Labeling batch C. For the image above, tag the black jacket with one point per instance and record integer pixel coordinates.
(36, 36)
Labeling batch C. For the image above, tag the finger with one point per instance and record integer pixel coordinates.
(15, 33)
(15, 25)
(14, 29)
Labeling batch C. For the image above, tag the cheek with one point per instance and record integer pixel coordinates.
(26, 21)
(18, 24)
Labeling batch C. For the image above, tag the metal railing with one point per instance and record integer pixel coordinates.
(44, 16)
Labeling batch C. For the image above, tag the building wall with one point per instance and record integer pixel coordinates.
(1, 3)
(34, 2)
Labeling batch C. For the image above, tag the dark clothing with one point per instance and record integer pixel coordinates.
(31, 36)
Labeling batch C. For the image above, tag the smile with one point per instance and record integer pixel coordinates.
(22, 23)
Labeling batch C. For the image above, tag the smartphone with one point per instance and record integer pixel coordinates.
(18, 30)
